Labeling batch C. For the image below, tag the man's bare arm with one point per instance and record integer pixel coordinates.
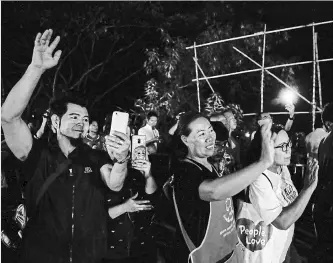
(17, 133)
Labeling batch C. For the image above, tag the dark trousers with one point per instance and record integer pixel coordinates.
(323, 249)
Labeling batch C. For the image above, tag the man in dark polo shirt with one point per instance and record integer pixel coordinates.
(66, 179)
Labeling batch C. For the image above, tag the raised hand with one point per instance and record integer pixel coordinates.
(132, 205)
(42, 54)
(267, 144)
(178, 115)
(143, 166)
(291, 109)
(311, 175)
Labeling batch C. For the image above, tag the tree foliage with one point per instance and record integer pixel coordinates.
(115, 51)
(98, 41)
(172, 66)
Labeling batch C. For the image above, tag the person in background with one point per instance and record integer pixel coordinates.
(323, 200)
(131, 210)
(174, 127)
(93, 139)
(13, 211)
(151, 133)
(43, 126)
(263, 116)
(107, 125)
(313, 139)
(228, 119)
(273, 202)
(66, 179)
(200, 191)
(231, 148)
(233, 145)
(130, 128)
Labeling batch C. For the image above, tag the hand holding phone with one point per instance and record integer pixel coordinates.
(117, 145)
(143, 166)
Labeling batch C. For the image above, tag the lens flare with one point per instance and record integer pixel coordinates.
(288, 96)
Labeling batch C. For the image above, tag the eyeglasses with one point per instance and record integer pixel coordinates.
(285, 146)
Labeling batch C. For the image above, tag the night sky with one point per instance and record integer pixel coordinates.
(275, 14)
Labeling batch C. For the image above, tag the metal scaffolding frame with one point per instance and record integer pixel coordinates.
(315, 62)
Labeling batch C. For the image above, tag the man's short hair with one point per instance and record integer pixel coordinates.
(327, 114)
(59, 106)
(152, 114)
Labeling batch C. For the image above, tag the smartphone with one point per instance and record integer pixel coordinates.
(139, 149)
(119, 122)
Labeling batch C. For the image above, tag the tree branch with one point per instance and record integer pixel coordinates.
(140, 26)
(98, 98)
(62, 62)
(86, 73)
(63, 78)
(71, 70)
(103, 62)
(127, 47)
(102, 68)
(90, 59)
(19, 64)
(41, 85)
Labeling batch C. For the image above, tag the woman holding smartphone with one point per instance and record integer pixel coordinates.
(130, 237)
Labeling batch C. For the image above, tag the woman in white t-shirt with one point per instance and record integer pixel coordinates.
(265, 223)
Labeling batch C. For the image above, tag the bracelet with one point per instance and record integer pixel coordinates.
(291, 118)
(126, 159)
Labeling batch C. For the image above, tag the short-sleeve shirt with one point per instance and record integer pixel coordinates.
(70, 219)
(150, 133)
(269, 193)
(313, 139)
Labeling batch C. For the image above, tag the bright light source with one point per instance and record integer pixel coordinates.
(287, 96)
(247, 134)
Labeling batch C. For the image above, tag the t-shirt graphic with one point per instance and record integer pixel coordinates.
(261, 241)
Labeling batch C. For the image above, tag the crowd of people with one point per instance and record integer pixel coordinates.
(80, 198)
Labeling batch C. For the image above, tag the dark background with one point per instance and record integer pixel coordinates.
(274, 14)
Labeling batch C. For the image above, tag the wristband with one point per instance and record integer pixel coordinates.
(126, 159)
(291, 118)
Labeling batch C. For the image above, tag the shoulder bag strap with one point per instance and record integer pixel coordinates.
(268, 180)
(190, 161)
(187, 239)
(49, 180)
(247, 195)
